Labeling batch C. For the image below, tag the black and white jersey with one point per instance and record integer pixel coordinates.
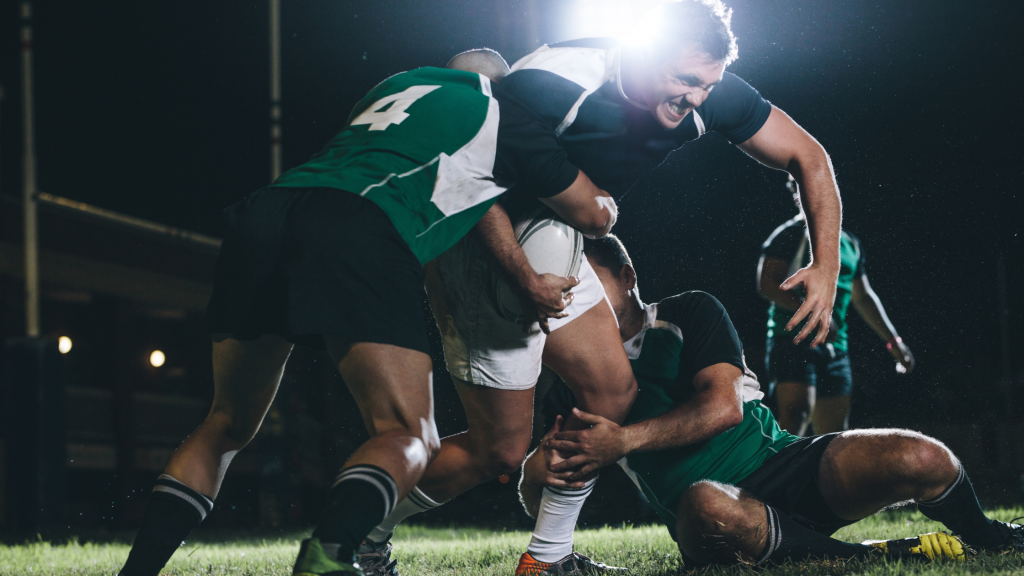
(563, 109)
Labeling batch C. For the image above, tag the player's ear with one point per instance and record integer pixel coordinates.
(628, 276)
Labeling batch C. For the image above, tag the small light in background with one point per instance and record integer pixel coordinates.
(157, 358)
(64, 344)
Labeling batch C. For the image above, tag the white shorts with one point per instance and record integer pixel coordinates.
(481, 347)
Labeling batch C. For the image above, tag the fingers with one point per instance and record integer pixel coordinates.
(802, 312)
(793, 281)
(824, 322)
(559, 444)
(811, 324)
(587, 417)
(570, 283)
(543, 326)
(570, 464)
(583, 474)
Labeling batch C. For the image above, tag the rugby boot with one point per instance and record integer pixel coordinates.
(375, 559)
(313, 561)
(932, 546)
(574, 564)
(1013, 533)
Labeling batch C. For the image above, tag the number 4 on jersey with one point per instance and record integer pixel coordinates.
(395, 114)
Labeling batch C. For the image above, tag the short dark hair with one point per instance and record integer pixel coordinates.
(682, 22)
(607, 252)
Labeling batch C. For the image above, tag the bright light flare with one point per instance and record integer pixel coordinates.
(64, 344)
(603, 18)
(157, 358)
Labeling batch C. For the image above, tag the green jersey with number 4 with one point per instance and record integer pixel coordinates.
(420, 145)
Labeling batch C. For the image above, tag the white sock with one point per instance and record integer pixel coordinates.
(414, 503)
(556, 520)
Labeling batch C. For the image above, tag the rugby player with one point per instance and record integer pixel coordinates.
(730, 485)
(331, 256)
(614, 111)
(814, 384)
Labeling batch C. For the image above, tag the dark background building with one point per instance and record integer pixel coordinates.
(159, 110)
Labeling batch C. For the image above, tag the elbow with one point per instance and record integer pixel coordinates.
(600, 221)
(731, 416)
(598, 229)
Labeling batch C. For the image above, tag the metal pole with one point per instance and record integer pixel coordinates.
(29, 201)
(275, 89)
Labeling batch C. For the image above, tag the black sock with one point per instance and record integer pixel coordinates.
(174, 510)
(959, 510)
(361, 498)
(789, 540)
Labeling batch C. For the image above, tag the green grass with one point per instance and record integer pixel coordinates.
(467, 551)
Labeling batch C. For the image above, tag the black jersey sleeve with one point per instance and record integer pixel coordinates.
(784, 241)
(709, 336)
(734, 109)
(533, 104)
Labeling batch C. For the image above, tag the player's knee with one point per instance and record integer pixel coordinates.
(713, 509)
(504, 460)
(927, 460)
(233, 428)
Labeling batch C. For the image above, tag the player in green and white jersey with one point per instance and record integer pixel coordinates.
(331, 256)
(815, 384)
(719, 470)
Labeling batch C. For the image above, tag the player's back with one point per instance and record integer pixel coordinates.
(420, 145)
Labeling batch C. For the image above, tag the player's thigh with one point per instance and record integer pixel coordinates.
(391, 385)
(500, 421)
(710, 515)
(863, 471)
(246, 374)
(831, 414)
(587, 353)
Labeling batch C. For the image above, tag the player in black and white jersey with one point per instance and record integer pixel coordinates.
(612, 111)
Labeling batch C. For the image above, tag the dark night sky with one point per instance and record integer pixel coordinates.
(160, 110)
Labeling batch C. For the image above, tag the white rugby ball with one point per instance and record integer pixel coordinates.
(551, 247)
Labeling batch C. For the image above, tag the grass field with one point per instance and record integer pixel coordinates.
(467, 551)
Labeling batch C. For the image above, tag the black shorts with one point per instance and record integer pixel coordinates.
(788, 482)
(827, 370)
(303, 262)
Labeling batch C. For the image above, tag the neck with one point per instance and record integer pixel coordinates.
(632, 320)
(630, 64)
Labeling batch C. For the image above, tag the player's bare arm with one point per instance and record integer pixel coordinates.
(870, 308)
(717, 406)
(550, 294)
(585, 207)
(784, 145)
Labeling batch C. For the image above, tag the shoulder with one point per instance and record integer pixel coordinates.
(734, 109)
(585, 63)
(689, 307)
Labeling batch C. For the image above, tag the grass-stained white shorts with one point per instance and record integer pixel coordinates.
(481, 347)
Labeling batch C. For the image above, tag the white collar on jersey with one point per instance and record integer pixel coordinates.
(635, 344)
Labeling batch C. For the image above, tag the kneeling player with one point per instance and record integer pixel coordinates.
(718, 469)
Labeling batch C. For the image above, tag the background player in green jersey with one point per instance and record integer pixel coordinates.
(814, 384)
(718, 469)
(331, 256)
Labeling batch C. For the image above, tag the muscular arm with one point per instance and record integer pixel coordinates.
(784, 145)
(547, 292)
(717, 406)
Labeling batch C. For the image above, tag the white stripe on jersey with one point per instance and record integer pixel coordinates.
(589, 68)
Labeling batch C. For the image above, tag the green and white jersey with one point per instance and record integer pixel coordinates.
(790, 243)
(681, 336)
(420, 145)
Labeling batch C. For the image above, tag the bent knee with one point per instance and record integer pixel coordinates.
(235, 429)
(713, 508)
(928, 459)
(503, 460)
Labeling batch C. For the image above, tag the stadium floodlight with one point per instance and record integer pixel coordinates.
(157, 358)
(64, 344)
(604, 18)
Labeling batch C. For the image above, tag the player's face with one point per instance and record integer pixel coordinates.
(680, 84)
